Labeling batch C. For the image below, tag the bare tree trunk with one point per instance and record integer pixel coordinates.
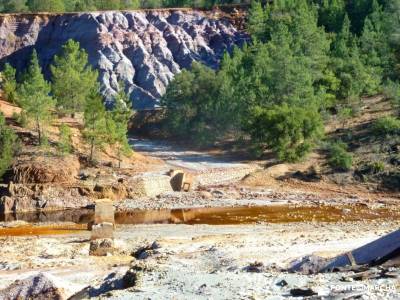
(91, 150)
(38, 131)
(119, 157)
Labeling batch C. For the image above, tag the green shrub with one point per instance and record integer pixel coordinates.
(290, 131)
(8, 145)
(376, 167)
(386, 126)
(391, 90)
(339, 158)
(20, 118)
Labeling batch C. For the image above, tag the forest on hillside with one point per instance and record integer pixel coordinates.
(11, 6)
(308, 61)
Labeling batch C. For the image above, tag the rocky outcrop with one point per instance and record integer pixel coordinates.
(144, 49)
(45, 169)
(20, 198)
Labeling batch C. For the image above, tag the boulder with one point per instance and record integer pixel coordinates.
(37, 287)
(7, 205)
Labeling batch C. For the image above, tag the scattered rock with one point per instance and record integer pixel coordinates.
(282, 283)
(133, 276)
(147, 251)
(101, 247)
(113, 281)
(309, 264)
(36, 287)
(302, 292)
(255, 267)
(206, 195)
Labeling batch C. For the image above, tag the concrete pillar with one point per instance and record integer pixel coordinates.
(102, 235)
(104, 212)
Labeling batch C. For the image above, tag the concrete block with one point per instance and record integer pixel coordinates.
(181, 181)
(104, 212)
(102, 231)
(148, 185)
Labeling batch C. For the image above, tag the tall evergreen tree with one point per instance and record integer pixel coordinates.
(34, 97)
(117, 123)
(331, 14)
(256, 22)
(374, 42)
(73, 78)
(355, 77)
(193, 105)
(95, 131)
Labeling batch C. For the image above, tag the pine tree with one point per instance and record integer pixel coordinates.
(8, 145)
(9, 84)
(95, 131)
(256, 23)
(331, 14)
(73, 78)
(34, 97)
(117, 122)
(355, 77)
(374, 42)
(392, 30)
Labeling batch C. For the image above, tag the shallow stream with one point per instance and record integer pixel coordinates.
(79, 219)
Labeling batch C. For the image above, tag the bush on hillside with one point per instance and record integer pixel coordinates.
(291, 132)
(8, 145)
(391, 90)
(386, 126)
(339, 158)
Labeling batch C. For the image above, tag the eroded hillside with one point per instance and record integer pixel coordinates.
(144, 49)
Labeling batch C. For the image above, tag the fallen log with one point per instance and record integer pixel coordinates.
(378, 251)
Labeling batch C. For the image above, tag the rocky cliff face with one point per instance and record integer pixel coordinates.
(145, 49)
